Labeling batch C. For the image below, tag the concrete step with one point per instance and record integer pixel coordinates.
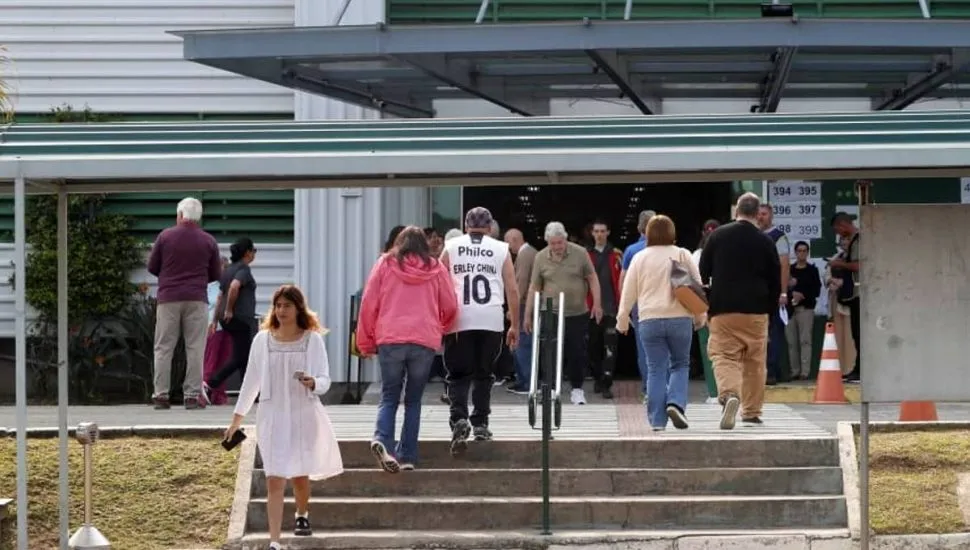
(577, 482)
(731, 451)
(485, 513)
(599, 538)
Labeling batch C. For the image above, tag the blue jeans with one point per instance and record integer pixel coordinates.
(641, 353)
(407, 365)
(667, 346)
(523, 356)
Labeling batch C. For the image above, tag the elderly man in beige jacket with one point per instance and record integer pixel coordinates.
(525, 256)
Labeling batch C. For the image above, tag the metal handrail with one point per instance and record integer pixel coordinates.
(536, 321)
(560, 329)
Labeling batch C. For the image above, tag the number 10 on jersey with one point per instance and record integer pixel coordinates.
(475, 288)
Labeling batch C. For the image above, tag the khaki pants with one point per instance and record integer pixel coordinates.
(843, 338)
(737, 348)
(799, 336)
(174, 319)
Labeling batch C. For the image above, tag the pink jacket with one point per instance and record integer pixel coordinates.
(413, 304)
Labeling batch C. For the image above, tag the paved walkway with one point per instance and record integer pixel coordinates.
(622, 417)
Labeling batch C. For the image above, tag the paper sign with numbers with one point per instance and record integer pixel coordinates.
(796, 210)
(794, 191)
(965, 190)
(800, 229)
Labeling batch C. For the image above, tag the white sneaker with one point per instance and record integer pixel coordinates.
(578, 396)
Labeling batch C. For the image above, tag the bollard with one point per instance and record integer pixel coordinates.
(87, 537)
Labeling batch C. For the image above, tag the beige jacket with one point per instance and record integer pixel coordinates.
(524, 261)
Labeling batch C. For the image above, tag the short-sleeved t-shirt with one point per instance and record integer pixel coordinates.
(631, 251)
(567, 276)
(245, 306)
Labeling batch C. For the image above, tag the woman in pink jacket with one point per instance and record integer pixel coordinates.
(409, 302)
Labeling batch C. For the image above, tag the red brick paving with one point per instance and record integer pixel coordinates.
(631, 417)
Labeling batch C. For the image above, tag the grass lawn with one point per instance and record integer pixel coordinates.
(149, 493)
(913, 481)
(803, 393)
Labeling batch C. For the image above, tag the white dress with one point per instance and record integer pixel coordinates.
(293, 431)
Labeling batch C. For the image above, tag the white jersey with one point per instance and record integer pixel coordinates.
(476, 269)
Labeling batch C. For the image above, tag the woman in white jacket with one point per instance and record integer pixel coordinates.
(288, 369)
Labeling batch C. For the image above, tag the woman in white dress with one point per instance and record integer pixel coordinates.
(288, 369)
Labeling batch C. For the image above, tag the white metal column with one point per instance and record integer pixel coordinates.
(20, 338)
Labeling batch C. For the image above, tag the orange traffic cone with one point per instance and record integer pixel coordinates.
(917, 411)
(828, 387)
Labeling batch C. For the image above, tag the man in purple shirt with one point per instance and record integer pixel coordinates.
(185, 259)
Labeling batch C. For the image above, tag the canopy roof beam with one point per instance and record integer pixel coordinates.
(610, 62)
(316, 82)
(775, 83)
(458, 75)
(946, 69)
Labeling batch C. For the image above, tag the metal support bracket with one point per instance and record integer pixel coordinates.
(463, 78)
(610, 63)
(314, 81)
(918, 88)
(775, 82)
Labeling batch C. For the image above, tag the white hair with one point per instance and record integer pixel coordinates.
(452, 233)
(190, 209)
(555, 229)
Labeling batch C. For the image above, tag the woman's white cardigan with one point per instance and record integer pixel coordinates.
(256, 382)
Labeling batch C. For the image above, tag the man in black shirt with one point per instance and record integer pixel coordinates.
(741, 266)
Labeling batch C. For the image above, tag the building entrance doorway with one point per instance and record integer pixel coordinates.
(577, 206)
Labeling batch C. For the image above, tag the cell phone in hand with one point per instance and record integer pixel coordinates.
(299, 375)
(237, 437)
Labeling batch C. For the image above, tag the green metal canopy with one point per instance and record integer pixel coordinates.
(520, 151)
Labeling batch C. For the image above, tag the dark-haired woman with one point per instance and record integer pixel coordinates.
(235, 311)
(289, 371)
(409, 303)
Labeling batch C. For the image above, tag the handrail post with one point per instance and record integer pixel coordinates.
(549, 347)
(533, 400)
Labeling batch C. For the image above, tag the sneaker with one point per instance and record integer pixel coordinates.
(384, 459)
(577, 396)
(445, 399)
(301, 527)
(162, 403)
(502, 381)
(658, 428)
(459, 436)
(407, 467)
(677, 417)
(729, 413)
(482, 433)
(753, 421)
(275, 546)
(516, 391)
(192, 403)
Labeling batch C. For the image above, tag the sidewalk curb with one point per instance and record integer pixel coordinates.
(114, 432)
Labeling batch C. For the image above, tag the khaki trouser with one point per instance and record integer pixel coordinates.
(738, 350)
(843, 339)
(174, 319)
(799, 336)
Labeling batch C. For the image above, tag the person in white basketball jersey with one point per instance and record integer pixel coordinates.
(481, 268)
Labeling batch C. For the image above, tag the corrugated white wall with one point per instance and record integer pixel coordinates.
(339, 232)
(115, 56)
(272, 268)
